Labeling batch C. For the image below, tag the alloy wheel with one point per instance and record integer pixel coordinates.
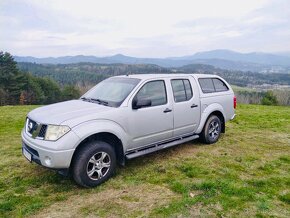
(98, 165)
(214, 129)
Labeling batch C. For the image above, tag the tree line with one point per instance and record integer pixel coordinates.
(17, 87)
(30, 83)
(88, 74)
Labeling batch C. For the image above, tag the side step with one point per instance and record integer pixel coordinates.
(158, 147)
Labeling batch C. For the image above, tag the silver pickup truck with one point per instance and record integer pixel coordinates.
(124, 117)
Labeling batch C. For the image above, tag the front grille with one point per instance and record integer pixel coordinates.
(42, 131)
(32, 126)
(34, 129)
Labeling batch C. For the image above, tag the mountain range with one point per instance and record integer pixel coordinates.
(225, 59)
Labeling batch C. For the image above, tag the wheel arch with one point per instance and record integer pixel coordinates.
(107, 137)
(221, 117)
(213, 109)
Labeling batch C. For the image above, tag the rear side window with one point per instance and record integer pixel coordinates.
(155, 91)
(206, 85)
(219, 85)
(181, 90)
(209, 85)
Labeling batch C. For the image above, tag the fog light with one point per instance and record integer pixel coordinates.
(47, 160)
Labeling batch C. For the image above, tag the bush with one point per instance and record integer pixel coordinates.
(269, 99)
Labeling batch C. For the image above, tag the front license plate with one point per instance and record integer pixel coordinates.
(26, 154)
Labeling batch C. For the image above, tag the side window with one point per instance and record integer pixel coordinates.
(154, 91)
(181, 90)
(219, 85)
(206, 85)
(178, 90)
(188, 89)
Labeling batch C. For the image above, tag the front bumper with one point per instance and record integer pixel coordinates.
(51, 158)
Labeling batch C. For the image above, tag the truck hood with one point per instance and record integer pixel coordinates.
(68, 110)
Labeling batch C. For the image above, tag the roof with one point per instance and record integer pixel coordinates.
(154, 76)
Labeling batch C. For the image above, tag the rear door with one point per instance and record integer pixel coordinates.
(186, 105)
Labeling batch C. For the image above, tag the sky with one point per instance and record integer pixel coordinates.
(142, 28)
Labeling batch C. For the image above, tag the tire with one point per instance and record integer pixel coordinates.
(94, 164)
(211, 130)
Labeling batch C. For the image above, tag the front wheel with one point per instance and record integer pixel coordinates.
(211, 130)
(94, 163)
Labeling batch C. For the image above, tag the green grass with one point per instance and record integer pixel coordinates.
(240, 88)
(247, 173)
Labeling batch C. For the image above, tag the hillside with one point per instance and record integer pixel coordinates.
(225, 59)
(253, 57)
(245, 174)
(90, 73)
(238, 78)
(87, 73)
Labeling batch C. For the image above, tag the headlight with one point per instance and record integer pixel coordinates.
(54, 132)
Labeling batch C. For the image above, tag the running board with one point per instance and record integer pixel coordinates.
(158, 147)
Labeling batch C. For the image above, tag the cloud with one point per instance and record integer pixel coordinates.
(142, 28)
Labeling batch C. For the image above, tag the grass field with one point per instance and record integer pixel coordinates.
(247, 173)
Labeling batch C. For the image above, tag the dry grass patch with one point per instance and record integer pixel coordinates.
(129, 201)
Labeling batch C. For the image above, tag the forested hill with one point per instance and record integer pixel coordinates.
(221, 58)
(87, 74)
(239, 78)
(84, 74)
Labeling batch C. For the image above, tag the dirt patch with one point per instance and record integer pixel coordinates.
(200, 210)
(135, 200)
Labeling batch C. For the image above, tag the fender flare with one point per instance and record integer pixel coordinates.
(92, 127)
(206, 112)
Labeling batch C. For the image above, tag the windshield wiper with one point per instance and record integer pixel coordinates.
(94, 100)
(100, 101)
(85, 99)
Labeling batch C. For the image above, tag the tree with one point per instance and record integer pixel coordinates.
(22, 99)
(11, 80)
(269, 99)
(33, 91)
(70, 92)
(3, 97)
(51, 90)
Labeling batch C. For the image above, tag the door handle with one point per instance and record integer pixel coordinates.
(167, 110)
(194, 105)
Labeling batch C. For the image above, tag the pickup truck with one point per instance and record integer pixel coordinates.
(124, 117)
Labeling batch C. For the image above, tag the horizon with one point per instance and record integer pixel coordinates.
(284, 54)
(154, 29)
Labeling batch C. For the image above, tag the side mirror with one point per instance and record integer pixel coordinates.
(136, 104)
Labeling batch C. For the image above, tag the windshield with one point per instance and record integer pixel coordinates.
(111, 92)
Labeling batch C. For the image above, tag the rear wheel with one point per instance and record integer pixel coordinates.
(94, 163)
(211, 130)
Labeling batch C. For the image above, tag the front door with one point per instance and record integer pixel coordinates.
(154, 122)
